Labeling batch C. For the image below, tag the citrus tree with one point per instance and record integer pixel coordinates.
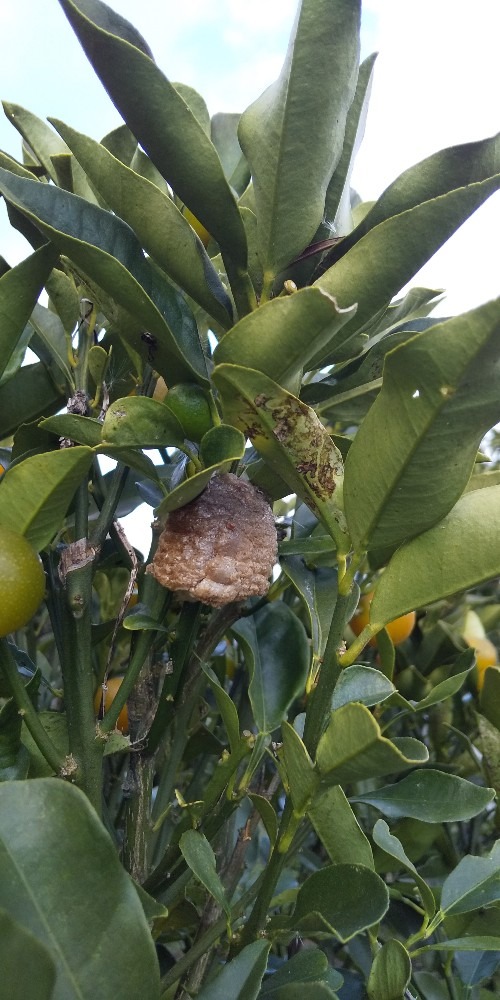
(213, 785)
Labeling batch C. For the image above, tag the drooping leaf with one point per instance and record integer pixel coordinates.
(343, 838)
(279, 338)
(294, 117)
(460, 552)
(352, 748)
(392, 846)
(415, 450)
(431, 796)
(57, 860)
(28, 971)
(162, 229)
(108, 251)
(161, 121)
(200, 857)
(19, 291)
(290, 437)
(276, 652)
(35, 495)
(241, 977)
(390, 972)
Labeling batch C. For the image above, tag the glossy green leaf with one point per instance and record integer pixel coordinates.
(274, 644)
(200, 858)
(315, 545)
(267, 815)
(474, 883)
(352, 748)
(431, 796)
(460, 552)
(50, 330)
(384, 260)
(299, 768)
(338, 829)
(191, 488)
(415, 450)
(56, 853)
(83, 430)
(35, 495)
(226, 707)
(161, 121)
(28, 971)
(292, 134)
(139, 619)
(141, 422)
(318, 590)
(473, 942)
(240, 978)
(279, 338)
(222, 443)
(41, 139)
(161, 228)
(449, 687)
(362, 684)
(109, 253)
(308, 970)
(290, 437)
(19, 291)
(393, 846)
(342, 900)
(390, 972)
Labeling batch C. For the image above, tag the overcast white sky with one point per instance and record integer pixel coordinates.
(436, 84)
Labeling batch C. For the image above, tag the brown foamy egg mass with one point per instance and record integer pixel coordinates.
(219, 548)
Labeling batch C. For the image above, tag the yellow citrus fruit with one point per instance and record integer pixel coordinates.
(199, 229)
(22, 581)
(113, 683)
(486, 656)
(399, 629)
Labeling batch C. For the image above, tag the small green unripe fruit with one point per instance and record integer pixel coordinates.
(22, 581)
(190, 405)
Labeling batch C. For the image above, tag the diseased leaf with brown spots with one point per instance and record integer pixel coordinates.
(291, 438)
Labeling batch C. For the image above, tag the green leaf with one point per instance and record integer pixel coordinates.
(362, 684)
(220, 444)
(19, 291)
(490, 696)
(41, 140)
(290, 437)
(384, 260)
(431, 796)
(473, 884)
(35, 495)
(271, 339)
(191, 488)
(341, 900)
(224, 135)
(302, 779)
(161, 121)
(392, 846)
(267, 815)
(390, 972)
(28, 972)
(61, 879)
(110, 254)
(226, 707)
(56, 726)
(200, 858)
(274, 644)
(449, 687)
(161, 228)
(338, 829)
(473, 942)
(352, 748)
(459, 553)
(292, 134)
(83, 430)
(439, 396)
(50, 331)
(240, 979)
(307, 970)
(318, 590)
(141, 422)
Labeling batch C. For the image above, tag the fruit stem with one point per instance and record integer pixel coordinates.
(357, 647)
(27, 710)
